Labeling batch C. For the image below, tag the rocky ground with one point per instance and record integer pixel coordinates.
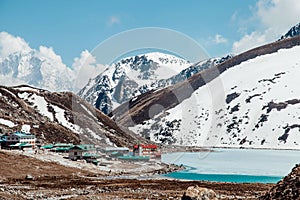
(68, 187)
(286, 189)
(50, 180)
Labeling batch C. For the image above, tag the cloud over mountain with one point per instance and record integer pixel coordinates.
(271, 23)
(42, 67)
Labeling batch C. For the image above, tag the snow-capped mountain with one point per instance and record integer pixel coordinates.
(129, 77)
(58, 117)
(32, 68)
(294, 31)
(254, 102)
(136, 75)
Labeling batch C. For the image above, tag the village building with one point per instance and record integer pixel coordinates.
(78, 152)
(116, 151)
(134, 158)
(20, 140)
(91, 158)
(61, 147)
(150, 150)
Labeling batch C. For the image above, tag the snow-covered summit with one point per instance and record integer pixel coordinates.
(36, 69)
(132, 76)
(129, 77)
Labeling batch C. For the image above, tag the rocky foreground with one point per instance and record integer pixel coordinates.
(23, 177)
(286, 189)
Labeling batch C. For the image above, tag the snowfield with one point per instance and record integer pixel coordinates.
(253, 104)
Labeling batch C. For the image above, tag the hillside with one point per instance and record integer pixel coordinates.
(58, 117)
(250, 100)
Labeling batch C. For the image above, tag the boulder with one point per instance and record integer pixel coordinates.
(199, 193)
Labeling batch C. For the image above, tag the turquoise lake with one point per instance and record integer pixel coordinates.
(234, 165)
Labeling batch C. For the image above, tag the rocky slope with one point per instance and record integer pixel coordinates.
(250, 100)
(58, 117)
(136, 75)
(286, 189)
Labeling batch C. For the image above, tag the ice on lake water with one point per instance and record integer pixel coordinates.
(253, 162)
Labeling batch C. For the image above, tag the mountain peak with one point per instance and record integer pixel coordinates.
(294, 31)
(130, 77)
(135, 75)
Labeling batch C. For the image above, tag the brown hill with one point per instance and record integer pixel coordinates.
(59, 117)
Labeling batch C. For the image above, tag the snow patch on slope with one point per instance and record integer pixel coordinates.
(61, 118)
(37, 102)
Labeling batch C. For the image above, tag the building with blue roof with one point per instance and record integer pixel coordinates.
(19, 138)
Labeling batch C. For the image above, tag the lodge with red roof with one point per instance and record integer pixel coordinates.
(150, 150)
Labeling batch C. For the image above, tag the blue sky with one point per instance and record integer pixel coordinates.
(70, 27)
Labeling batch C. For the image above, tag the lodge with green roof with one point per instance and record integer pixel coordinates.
(18, 140)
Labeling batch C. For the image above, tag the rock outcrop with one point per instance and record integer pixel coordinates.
(199, 193)
(286, 189)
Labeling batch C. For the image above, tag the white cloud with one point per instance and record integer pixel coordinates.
(51, 73)
(113, 20)
(85, 67)
(54, 72)
(274, 18)
(249, 41)
(219, 39)
(10, 44)
(49, 54)
(280, 15)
